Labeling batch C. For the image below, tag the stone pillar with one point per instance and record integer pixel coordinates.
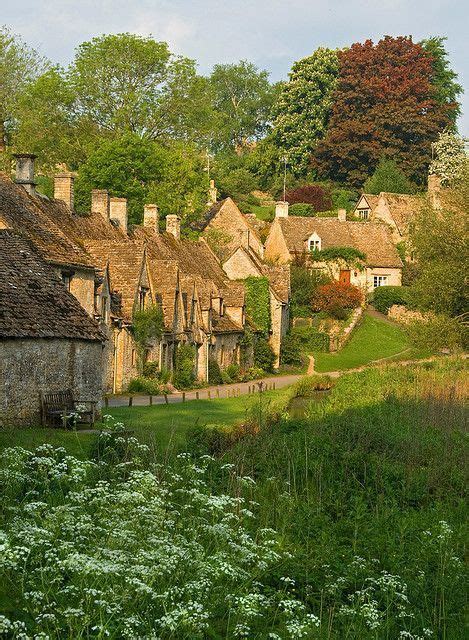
(434, 189)
(118, 211)
(100, 202)
(281, 209)
(63, 188)
(25, 171)
(342, 215)
(212, 194)
(173, 225)
(151, 217)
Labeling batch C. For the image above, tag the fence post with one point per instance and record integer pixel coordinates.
(106, 401)
(183, 396)
(196, 395)
(218, 392)
(131, 401)
(208, 394)
(151, 400)
(273, 385)
(166, 398)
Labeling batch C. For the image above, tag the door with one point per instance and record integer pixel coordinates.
(344, 277)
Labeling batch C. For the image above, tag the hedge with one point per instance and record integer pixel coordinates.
(311, 339)
(258, 302)
(385, 297)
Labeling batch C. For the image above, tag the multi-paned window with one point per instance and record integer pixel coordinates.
(380, 281)
(363, 214)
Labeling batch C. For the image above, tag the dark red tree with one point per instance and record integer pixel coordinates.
(383, 106)
(313, 194)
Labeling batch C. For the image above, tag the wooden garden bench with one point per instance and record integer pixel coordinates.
(61, 410)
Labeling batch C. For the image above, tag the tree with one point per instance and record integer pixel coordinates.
(304, 284)
(242, 98)
(129, 83)
(19, 65)
(445, 88)
(383, 105)
(301, 113)
(387, 177)
(315, 194)
(449, 157)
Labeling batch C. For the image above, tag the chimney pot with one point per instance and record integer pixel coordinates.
(25, 171)
(100, 202)
(342, 215)
(173, 225)
(118, 211)
(63, 188)
(281, 209)
(151, 217)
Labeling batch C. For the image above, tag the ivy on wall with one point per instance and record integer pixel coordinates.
(258, 302)
(349, 255)
(147, 327)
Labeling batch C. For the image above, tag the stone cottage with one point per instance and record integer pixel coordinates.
(48, 342)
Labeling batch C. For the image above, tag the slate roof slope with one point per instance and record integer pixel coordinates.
(29, 216)
(373, 239)
(33, 301)
(279, 280)
(402, 208)
(164, 276)
(224, 324)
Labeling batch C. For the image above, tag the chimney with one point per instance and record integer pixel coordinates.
(342, 215)
(151, 217)
(100, 202)
(25, 171)
(118, 211)
(434, 189)
(63, 188)
(212, 194)
(173, 225)
(281, 209)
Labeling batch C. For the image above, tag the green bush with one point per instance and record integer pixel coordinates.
(141, 384)
(214, 372)
(264, 357)
(437, 333)
(258, 301)
(150, 369)
(338, 312)
(311, 339)
(290, 350)
(184, 372)
(233, 371)
(302, 209)
(385, 297)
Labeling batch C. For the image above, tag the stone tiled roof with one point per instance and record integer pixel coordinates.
(224, 324)
(33, 302)
(371, 199)
(402, 208)
(373, 239)
(33, 218)
(279, 280)
(164, 275)
(234, 294)
(207, 217)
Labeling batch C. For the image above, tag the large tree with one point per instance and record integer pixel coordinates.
(446, 89)
(242, 98)
(301, 113)
(384, 105)
(19, 64)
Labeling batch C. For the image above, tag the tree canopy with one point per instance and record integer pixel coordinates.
(387, 177)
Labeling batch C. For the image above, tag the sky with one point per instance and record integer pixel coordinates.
(270, 33)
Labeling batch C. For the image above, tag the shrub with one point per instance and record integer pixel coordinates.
(233, 371)
(302, 209)
(385, 297)
(343, 199)
(258, 301)
(264, 357)
(438, 332)
(237, 181)
(315, 194)
(150, 369)
(214, 372)
(311, 339)
(336, 294)
(290, 350)
(184, 372)
(141, 384)
(338, 312)
(304, 284)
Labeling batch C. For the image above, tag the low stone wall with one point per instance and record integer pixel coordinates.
(399, 313)
(339, 341)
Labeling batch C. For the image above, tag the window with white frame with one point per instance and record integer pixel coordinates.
(314, 243)
(380, 281)
(363, 214)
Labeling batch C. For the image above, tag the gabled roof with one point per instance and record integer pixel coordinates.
(164, 276)
(373, 239)
(224, 324)
(402, 208)
(279, 280)
(33, 218)
(233, 222)
(33, 301)
(371, 199)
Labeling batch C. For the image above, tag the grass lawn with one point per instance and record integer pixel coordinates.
(264, 213)
(373, 339)
(162, 427)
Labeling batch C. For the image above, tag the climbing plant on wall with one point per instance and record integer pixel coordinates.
(349, 255)
(147, 326)
(258, 302)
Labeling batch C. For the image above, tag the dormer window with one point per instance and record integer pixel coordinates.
(314, 243)
(142, 295)
(67, 279)
(363, 214)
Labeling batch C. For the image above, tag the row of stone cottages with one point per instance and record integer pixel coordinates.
(70, 285)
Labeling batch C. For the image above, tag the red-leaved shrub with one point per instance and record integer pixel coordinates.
(314, 194)
(336, 295)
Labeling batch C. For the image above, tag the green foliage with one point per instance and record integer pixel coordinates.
(438, 332)
(258, 302)
(387, 177)
(147, 327)
(311, 339)
(304, 284)
(344, 199)
(290, 350)
(184, 372)
(301, 113)
(214, 372)
(236, 182)
(449, 157)
(349, 255)
(302, 209)
(385, 297)
(144, 384)
(217, 239)
(446, 90)
(264, 356)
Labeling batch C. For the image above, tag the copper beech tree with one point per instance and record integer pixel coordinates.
(383, 106)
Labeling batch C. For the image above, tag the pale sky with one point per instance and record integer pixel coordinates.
(270, 33)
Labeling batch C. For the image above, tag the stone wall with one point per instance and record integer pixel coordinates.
(29, 367)
(401, 314)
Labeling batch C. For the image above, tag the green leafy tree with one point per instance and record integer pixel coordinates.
(449, 157)
(301, 113)
(387, 177)
(19, 65)
(242, 98)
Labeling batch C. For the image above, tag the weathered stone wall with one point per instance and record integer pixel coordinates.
(401, 314)
(280, 319)
(226, 349)
(29, 367)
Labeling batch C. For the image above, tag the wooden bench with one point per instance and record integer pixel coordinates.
(61, 410)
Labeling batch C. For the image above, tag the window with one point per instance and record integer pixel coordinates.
(134, 357)
(363, 214)
(380, 281)
(142, 294)
(66, 279)
(314, 243)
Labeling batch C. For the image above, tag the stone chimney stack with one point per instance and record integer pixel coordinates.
(173, 225)
(151, 217)
(118, 212)
(63, 188)
(434, 189)
(342, 215)
(100, 202)
(25, 171)
(212, 194)
(281, 209)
